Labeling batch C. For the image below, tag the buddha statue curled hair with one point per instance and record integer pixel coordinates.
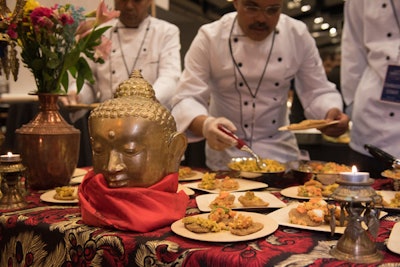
(138, 108)
(135, 97)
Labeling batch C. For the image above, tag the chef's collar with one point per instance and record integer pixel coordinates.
(119, 24)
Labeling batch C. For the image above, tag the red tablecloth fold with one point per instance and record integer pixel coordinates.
(133, 209)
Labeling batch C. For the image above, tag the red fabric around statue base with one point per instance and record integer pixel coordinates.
(131, 208)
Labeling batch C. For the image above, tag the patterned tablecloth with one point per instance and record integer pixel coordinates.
(54, 235)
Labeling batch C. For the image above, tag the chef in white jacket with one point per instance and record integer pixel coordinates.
(237, 73)
(370, 78)
(139, 41)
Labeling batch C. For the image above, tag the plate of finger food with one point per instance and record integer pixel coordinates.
(225, 225)
(211, 184)
(188, 174)
(311, 215)
(390, 199)
(62, 195)
(309, 190)
(239, 200)
(308, 124)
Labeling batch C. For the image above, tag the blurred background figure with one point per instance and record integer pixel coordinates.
(370, 79)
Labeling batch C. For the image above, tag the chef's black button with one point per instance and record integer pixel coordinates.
(391, 114)
(144, 49)
(113, 72)
(279, 59)
(246, 126)
(241, 84)
(273, 121)
(270, 136)
(389, 34)
(240, 64)
(235, 39)
(245, 103)
(384, 5)
(387, 57)
(275, 99)
(114, 51)
(276, 84)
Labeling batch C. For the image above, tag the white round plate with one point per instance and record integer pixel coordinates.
(270, 226)
(49, 197)
(394, 239)
(292, 192)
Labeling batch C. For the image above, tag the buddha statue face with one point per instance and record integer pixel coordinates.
(134, 138)
(134, 152)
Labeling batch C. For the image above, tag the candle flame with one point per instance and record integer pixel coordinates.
(9, 154)
(354, 169)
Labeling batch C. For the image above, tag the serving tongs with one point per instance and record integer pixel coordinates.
(241, 144)
(383, 156)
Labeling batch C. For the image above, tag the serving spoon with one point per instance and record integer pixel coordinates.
(241, 144)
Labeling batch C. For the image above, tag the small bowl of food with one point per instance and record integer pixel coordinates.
(271, 174)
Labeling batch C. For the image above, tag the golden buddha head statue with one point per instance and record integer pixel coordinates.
(134, 138)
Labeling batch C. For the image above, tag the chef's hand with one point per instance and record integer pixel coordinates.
(217, 139)
(336, 130)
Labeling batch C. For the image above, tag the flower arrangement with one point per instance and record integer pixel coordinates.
(56, 43)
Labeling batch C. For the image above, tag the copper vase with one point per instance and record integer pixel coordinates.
(49, 146)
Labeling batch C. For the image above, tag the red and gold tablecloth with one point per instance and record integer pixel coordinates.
(53, 235)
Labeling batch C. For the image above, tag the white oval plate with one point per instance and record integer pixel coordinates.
(203, 201)
(292, 192)
(282, 217)
(270, 226)
(244, 185)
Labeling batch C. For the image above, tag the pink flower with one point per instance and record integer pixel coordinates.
(103, 14)
(102, 51)
(84, 28)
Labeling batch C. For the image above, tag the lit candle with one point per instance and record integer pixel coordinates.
(355, 176)
(10, 158)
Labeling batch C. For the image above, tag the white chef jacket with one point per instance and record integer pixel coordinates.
(370, 42)
(159, 60)
(211, 85)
